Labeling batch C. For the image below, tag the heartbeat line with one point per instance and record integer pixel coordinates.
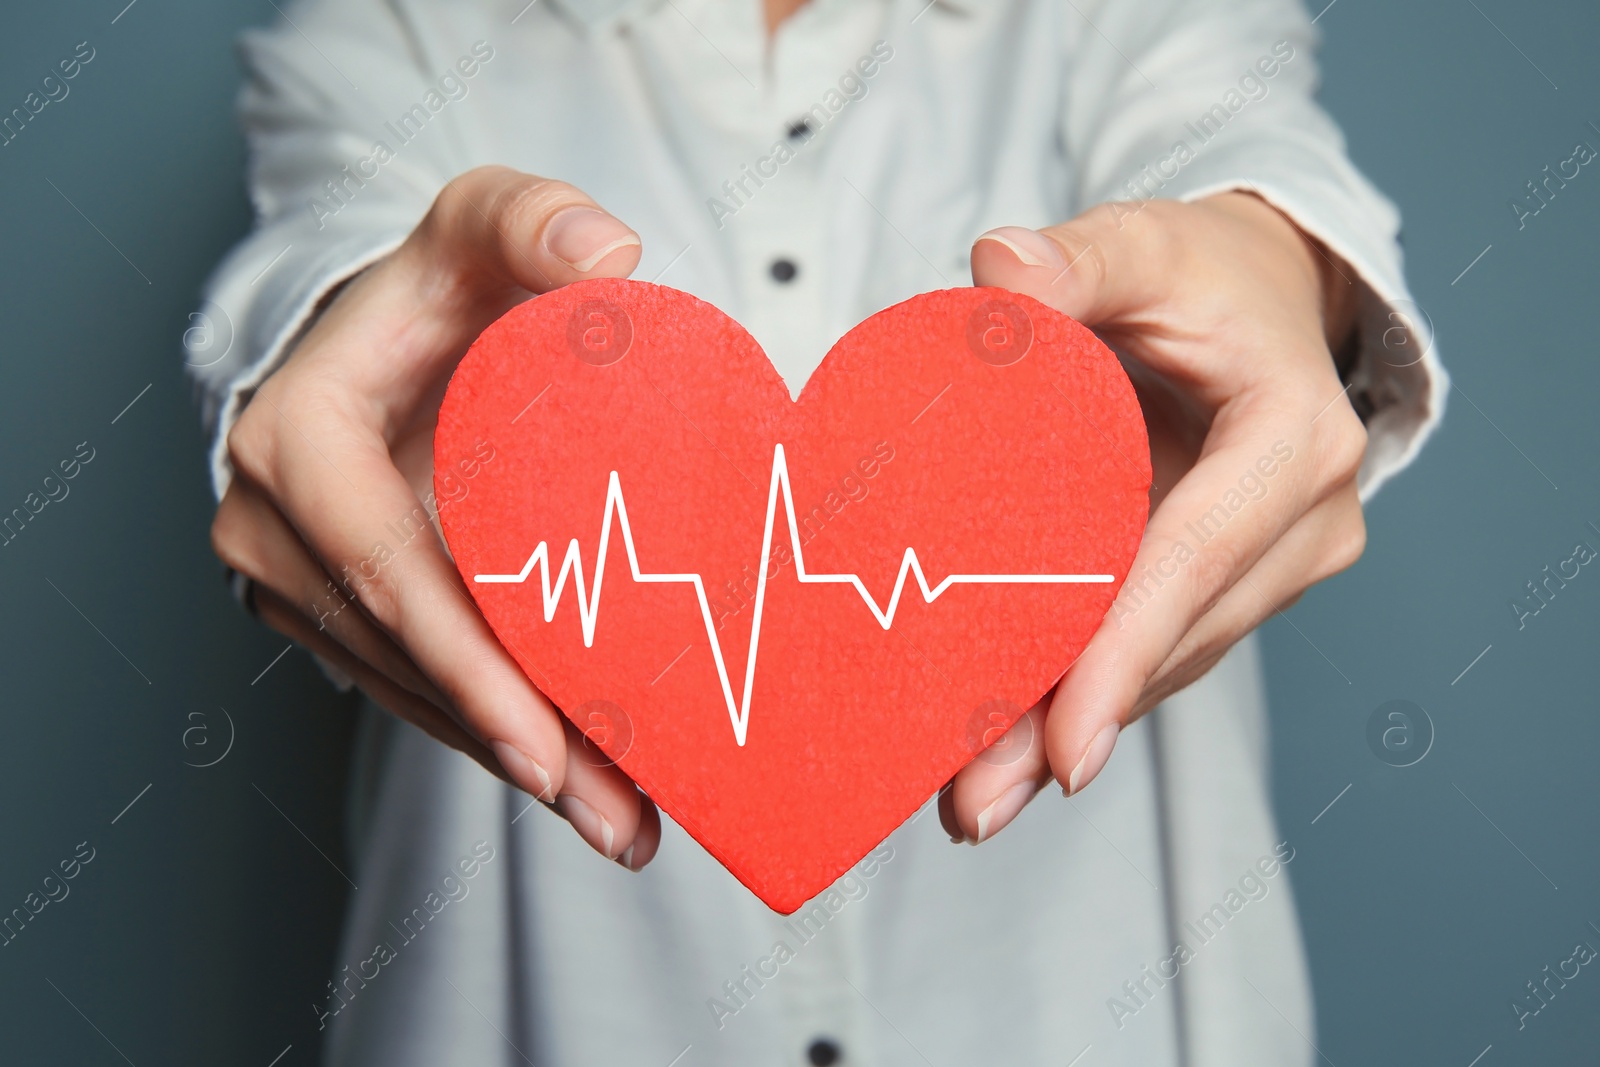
(739, 711)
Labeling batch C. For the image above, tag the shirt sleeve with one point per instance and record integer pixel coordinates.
(335, 183)
(1185, 99)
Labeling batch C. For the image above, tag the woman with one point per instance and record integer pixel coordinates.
(802, 165)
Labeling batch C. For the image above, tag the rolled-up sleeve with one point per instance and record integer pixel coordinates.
(321, 93)
(1184, 99)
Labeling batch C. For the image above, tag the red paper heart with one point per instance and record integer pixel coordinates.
(996, 439)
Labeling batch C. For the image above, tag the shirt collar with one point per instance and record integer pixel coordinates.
(597, 13)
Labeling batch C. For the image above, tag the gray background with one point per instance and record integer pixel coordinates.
(201, 930)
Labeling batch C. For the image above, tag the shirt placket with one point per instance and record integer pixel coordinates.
(786, 265)
(761, 162)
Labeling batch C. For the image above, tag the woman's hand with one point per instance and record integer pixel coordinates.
(335, 453)
(1224, 314)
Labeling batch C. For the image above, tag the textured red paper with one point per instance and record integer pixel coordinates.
(985, 431)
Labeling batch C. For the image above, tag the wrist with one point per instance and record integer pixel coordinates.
(1335, 289)
(1338, 297)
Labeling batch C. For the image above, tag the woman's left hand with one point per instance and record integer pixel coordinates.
(1224, 314)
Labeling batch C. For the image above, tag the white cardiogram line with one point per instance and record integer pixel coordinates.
(739, 711)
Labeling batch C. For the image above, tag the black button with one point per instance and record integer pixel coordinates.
(799, 129)
(823, 1053)
(783, 270)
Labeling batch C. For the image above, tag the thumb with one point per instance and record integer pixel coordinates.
(494, 227)
(1101, 267)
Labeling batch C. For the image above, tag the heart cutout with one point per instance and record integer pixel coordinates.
(996, 439)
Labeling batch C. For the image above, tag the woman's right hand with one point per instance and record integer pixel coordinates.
(335, 452)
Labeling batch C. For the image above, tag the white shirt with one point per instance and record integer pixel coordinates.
(930, 123)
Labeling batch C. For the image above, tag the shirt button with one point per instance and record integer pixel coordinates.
(799, 129)
(783, 270)
(823, 1053)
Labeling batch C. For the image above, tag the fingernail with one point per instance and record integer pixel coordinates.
(525, 772)
(1094, 758)
(996, 816)
(1030, 246)
(580, 237)
(626, 859)
(590, 824)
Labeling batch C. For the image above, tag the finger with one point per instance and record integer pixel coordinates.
(1106, 265)
(322, 453)
(1129, 267)
(946, 805)
(1156, 279)
(604, 805)
(251, 536)
(1120, 263)
(991, 791)
(491, 237)
(413, 591)
(1328, 539)
(284, 617)
(1202, 537)
(648, 840)
(537, 232)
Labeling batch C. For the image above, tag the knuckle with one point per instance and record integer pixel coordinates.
(459, 208)
(521, 208)
(487, 176)
(1084, 248)
(453, 203)
(1155, 225)
(272, 612)
(230, 534)
(1343, 445)
(251, 445)
(377, 593)
(1162, 216)
(1212, 573)
(1095, 262)
(1189, 662)
(1348, 543)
